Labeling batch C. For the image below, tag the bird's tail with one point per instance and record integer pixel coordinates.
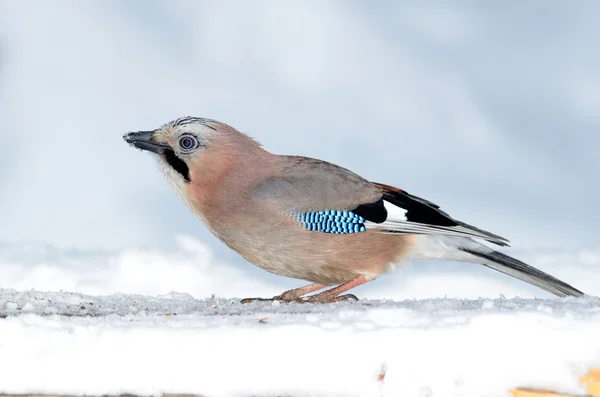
(468, 250)
(514, 267)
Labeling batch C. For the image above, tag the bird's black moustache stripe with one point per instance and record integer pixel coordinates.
(177, 164)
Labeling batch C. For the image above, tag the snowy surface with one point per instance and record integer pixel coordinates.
(59, 342)
(113, 325)
(97, 322)
(195, 268)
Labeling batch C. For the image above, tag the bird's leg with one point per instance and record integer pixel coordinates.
(296, 293)
(290, 295)
(333, 294)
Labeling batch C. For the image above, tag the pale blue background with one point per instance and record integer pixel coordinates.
(490, 109)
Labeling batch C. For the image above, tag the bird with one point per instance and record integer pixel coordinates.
(313, 220)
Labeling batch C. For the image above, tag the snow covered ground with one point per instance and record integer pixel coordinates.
(74, 343)
(106, 323)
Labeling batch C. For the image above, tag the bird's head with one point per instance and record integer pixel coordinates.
(178, 143)
(193, 149)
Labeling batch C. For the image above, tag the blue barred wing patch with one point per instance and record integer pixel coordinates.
(335, 222)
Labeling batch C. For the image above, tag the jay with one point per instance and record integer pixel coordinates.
(310, 219)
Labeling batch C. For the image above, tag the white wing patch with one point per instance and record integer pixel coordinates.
(396, 218)
(398, 223)
(395, 213)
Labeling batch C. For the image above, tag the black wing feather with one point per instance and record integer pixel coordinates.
(419, 210)
(374, 212)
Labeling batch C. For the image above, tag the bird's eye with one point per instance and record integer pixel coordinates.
(188, 142)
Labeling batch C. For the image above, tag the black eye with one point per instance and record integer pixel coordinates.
(188, 142)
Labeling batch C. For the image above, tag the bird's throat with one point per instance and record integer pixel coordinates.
(177, 164)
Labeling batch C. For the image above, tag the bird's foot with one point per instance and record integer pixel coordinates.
(292, 295)
(331, 299)
(280, 298)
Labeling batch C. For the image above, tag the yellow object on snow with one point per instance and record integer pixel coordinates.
(592, 382)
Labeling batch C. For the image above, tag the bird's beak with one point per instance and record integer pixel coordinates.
(143, 140)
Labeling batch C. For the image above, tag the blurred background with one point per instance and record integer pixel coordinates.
(491, 110)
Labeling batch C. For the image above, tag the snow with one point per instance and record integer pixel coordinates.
(150, 321)
(64, 342)
(191, 266)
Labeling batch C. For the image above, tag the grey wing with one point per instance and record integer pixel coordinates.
(310, 185)
(305, 184)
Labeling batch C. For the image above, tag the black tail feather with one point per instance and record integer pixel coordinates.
(513, 267)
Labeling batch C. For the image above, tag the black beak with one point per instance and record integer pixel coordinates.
(143, 140)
